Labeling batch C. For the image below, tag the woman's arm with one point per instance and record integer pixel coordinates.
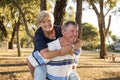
(47, 54)
(52, 54)
(78, 44)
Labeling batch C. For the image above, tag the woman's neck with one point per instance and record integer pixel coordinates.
(50, 34)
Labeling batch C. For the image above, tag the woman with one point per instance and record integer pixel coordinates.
(46, 33)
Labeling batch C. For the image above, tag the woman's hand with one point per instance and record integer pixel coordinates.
(78, 44)
(66, 50)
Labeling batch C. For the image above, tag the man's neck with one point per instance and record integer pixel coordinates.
(64, 41)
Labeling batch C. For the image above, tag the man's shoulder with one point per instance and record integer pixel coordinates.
(54, 45)
(54, 42)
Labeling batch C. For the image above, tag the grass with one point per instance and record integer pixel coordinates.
(90, 67)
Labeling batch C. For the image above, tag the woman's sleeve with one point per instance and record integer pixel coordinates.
(39, 42)
(36, 59)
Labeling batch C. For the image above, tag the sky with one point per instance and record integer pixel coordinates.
(90, 17)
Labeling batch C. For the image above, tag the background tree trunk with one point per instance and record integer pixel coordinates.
(10, 45)
(102, 29)
(18, 41)
(59, 11)
(103, 51)
(79, 16)
(24, 19)
(3, 29)
(42, 5)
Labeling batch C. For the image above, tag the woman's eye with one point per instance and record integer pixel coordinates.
(43, 22)
(49, 20)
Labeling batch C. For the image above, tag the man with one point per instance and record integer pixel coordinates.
(60, 68)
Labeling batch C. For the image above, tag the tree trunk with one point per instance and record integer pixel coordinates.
(102, 30)
(43, 5)
(3, 29)
(10, 45)
(18, 41)
(59, 11)
(24, 19)
(79, 17)
(101, 23)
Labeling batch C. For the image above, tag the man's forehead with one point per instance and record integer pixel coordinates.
(70, 26)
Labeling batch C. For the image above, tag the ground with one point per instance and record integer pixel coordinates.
(90, 67)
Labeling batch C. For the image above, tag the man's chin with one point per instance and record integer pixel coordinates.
(73, 41)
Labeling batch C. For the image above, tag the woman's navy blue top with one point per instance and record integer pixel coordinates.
(40, 40)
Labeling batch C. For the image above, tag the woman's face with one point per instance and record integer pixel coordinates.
(47, 24)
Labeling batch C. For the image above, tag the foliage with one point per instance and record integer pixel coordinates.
(69, 14)
(10, 15)
(114, 37)
(89, 35)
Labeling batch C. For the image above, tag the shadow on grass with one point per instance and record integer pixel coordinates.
(114, 78)
(98, 66)
(8, 65)
(9, 72)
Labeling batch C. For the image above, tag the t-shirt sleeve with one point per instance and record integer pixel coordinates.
(39, 42)
(77, 53)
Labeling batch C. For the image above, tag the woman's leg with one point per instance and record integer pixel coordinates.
(31, 68)
(40, 72)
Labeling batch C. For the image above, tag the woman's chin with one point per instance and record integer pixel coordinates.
(49, 29)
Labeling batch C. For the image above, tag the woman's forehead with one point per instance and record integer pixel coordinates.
(46, 18)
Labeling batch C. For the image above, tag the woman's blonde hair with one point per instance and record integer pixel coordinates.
(43, 14)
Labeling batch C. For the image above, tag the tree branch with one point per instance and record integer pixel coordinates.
(24, 19)
(94, 7)
(108, 25)
(107, 12)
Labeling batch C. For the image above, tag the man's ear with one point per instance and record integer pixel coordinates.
(63, 32)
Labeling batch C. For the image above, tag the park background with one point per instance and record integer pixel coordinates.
(98, 22)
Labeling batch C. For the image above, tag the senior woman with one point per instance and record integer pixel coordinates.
(46, 33)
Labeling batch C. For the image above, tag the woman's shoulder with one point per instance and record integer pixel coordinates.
(39, 30)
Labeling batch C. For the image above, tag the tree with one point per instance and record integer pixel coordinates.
(24, 18)
(114, 37)
(43, 5)
(3, 30)
(59, 11)
(79, 16)
(14, 13)
(101, 21)
(17, 34)
(89, 35)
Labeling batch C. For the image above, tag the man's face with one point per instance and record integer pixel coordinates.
(71, 33)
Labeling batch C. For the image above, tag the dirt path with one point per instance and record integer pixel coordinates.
(90, 67)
